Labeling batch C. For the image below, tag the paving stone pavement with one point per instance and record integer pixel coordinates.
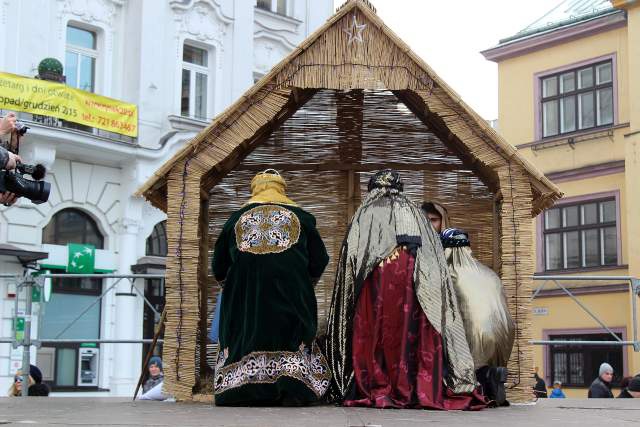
(59, 411)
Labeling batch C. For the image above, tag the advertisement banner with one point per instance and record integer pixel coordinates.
(64, 102)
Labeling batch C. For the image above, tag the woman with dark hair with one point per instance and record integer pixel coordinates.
(395, 337)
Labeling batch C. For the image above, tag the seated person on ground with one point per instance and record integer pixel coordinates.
(489, 328)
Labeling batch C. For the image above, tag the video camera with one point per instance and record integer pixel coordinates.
(35, 190)
(14, 182)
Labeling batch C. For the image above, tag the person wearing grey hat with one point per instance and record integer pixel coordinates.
(601, 386)
(632, 390)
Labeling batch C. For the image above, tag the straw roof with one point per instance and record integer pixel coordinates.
(334, 58)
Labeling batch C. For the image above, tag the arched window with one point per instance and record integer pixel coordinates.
(157, 241)
(72, 226)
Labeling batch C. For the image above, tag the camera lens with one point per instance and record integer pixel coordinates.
(21, 128)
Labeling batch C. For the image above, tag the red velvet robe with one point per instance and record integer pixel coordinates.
(397, 354)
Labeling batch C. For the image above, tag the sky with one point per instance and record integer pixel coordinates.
(449, 36)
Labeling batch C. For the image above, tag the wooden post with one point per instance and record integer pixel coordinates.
(183, 258)
(349, 117)
(203, 270)
(517, 275)
(497, 202)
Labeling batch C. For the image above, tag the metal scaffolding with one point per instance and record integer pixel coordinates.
(30, 281)
(634, 292)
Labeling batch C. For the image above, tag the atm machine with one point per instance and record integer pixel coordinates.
(88, 366)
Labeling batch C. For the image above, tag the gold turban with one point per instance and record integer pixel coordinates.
(269, 187)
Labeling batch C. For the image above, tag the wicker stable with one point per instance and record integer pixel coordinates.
(333, 111)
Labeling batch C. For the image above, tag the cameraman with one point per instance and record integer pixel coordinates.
(8, 160)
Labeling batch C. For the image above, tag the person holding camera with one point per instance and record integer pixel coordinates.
(8, 160)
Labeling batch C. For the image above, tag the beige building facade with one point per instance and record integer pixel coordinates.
(569, 100)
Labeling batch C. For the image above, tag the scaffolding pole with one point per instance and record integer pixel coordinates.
(27, 282)
(634, 289)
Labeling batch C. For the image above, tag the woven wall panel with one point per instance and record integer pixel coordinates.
(181, 298)
(517, 276)
(317, 135)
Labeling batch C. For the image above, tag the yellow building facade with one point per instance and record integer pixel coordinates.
(569, 100)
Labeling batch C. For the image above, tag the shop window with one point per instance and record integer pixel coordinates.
(578, 365)
(73, 311)
(154, 289)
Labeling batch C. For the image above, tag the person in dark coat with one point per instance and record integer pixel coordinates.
(540, 388)
(155, 374)
(601, 386)
(632, 389)
(269, 255)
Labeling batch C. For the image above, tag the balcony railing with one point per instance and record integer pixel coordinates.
(54, 122)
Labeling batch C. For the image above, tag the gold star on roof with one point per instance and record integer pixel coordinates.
(354, 31)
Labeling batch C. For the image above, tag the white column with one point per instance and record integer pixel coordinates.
(128, 320)
(242, 68)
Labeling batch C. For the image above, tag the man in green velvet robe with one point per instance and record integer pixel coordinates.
(268, 256)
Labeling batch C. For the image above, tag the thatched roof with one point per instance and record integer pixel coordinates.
(331, 59)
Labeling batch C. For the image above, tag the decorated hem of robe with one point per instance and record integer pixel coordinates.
(305, 365)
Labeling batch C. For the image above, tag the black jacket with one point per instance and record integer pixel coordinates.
(624, 394)
(600, 389)
(4, 157)
(540, 389)
(39, 389)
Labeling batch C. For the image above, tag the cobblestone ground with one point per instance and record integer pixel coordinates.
(120, 412)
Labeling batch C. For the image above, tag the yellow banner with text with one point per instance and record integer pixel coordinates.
(74, 105)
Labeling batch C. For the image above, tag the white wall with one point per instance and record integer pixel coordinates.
(140, 61)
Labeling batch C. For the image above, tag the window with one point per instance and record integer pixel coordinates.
(577, 365)
(72, 226)
(71, 299)
(154, 288)
(257, 76)
(581, 235)
(577, 99)
(80, 60)
(157, 241)
(277, 6)
(154, 292)
(195, 76)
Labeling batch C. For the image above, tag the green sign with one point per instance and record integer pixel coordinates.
(19, 328)
(88, 344)
(82, 258)
(36, 294)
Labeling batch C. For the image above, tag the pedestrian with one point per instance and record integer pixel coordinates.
(540, 388)
(601, 386)
(631, 389)
(557, 392)
(8, 159)
(36, 386)
(156, 376)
